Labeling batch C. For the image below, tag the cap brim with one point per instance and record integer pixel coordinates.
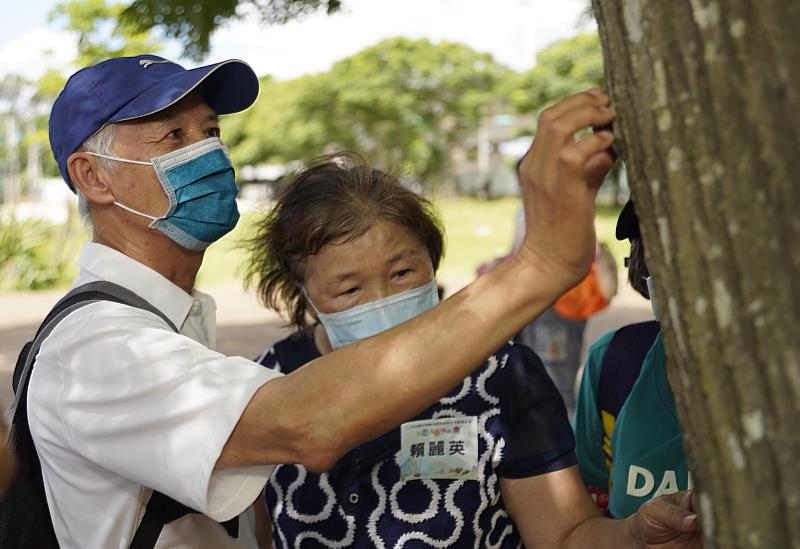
(628, 222)
(228, 87)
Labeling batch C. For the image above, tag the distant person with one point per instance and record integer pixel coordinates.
(348, 248)
(629, 442)
(145, 435)
(556, 335)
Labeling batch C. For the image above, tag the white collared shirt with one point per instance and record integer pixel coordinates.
(119, 404)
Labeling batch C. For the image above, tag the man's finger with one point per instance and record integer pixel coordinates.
(554, 130)
(592, 144)
(574, 158)
(598, 167)
(593, 96)
(562, 129)
(550, 146)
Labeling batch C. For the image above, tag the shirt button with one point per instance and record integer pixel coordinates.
(353, 498)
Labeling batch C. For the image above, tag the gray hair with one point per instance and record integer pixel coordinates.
(100, 142)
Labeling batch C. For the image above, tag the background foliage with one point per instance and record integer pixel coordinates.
(399, 102)
(563, 68)
(192, 22)
(402, 103)
(36, 254)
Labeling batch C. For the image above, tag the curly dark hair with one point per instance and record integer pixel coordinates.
(331, 198)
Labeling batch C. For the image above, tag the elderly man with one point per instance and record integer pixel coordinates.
(120, 405)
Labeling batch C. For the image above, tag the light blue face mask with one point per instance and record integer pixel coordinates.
(652, 293)
(200, 184)
(369, 319)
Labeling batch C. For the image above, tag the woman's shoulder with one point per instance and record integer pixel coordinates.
(514, 355)
(290, 353)
(496, 367)
(514, 367)
(536, 429)
(511, 351)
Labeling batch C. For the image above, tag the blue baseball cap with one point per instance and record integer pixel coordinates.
(126, 88)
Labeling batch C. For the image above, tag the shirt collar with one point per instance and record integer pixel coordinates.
(101, 262)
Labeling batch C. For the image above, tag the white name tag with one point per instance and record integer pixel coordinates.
(439, 448)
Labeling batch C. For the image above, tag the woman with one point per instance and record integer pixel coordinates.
(629, 441)
(351, 248)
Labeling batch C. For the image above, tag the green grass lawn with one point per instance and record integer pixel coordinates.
(477, 231)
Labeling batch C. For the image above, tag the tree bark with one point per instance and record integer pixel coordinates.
(708, 100)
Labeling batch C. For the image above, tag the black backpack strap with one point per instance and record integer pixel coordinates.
(619, 371)
(25, 520)
(622, 364)
(161, 509)
(75, 299)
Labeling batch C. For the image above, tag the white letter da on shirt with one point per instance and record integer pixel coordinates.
(641, 482)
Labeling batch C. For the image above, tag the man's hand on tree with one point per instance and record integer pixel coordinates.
(560, 178)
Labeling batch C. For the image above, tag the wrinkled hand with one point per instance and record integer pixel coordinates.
(667, 522)
(560, 178)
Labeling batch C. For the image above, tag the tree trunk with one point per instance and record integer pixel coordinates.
(708, 100)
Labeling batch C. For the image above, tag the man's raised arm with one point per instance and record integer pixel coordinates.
(316, 414)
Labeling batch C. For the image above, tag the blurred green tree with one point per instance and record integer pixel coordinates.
(102, 31)
(24, 142)
(36, 138)
(25, 104)
(100, 34)
(279, 128)
(562, 68)
(400, 102)
(192, 22)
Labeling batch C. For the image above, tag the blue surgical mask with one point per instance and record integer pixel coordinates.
(369, 319)
(200, 184)
(652, 293)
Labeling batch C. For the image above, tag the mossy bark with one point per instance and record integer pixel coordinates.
(708, 100)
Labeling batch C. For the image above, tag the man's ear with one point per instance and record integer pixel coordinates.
(86, 174)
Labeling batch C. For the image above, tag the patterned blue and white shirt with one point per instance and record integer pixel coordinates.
(523, 431)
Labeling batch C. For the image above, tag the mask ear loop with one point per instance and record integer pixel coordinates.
(137, 212)
(118, 159)
(123, 206)
(308, 298)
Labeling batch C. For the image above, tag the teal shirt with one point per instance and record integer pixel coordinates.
(646, 444)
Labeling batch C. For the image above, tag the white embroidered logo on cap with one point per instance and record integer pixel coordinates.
(147, 62)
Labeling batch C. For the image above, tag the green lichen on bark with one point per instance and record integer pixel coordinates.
(708, 100)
